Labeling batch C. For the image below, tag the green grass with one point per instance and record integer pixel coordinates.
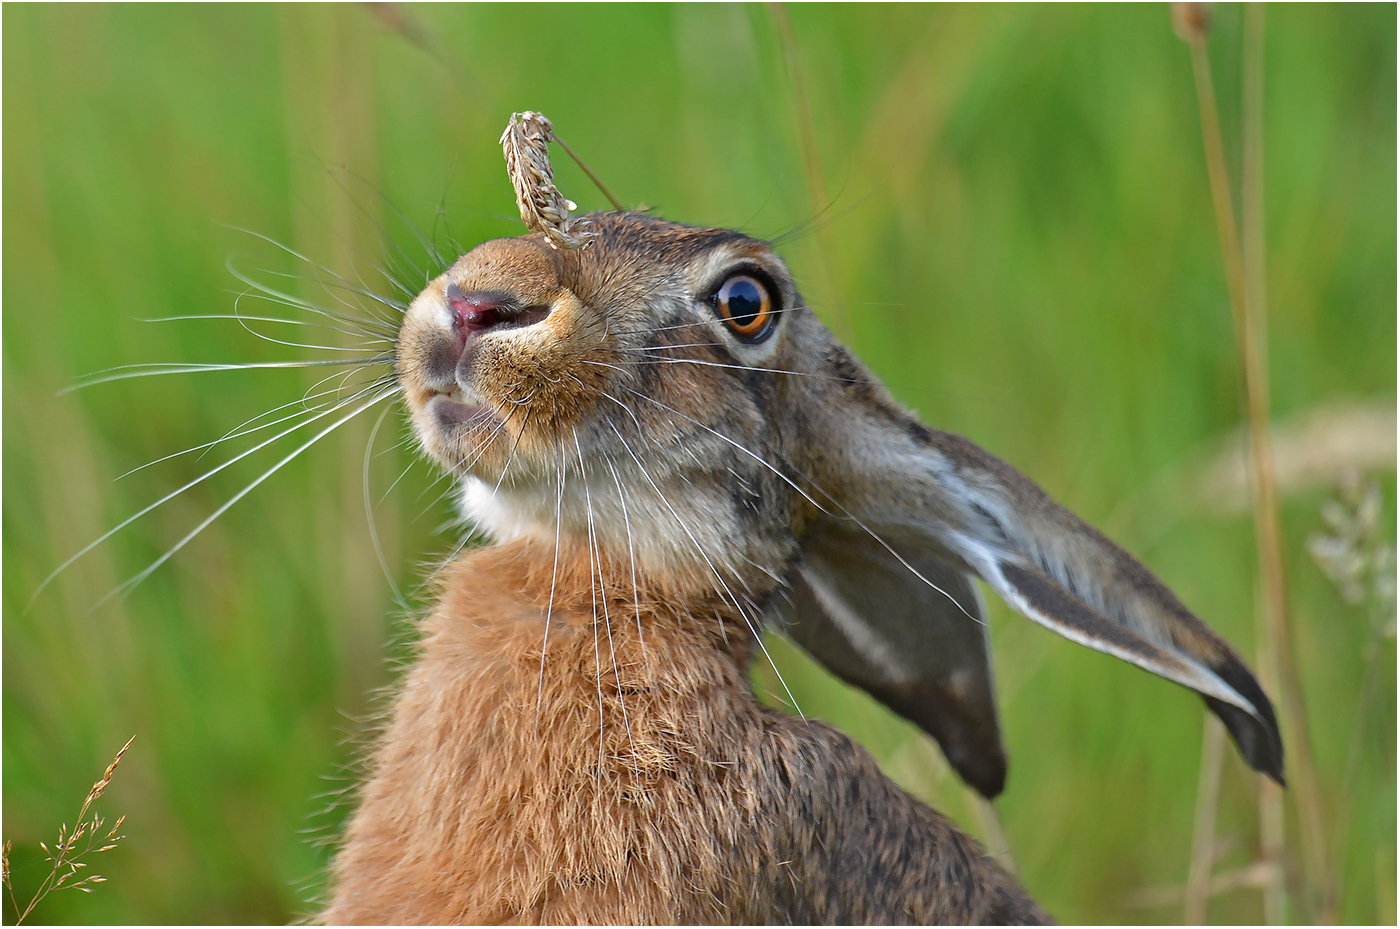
(1020, 223)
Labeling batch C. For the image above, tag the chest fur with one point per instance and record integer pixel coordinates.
(606, 771)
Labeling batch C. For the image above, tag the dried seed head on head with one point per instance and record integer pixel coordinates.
(542, 208)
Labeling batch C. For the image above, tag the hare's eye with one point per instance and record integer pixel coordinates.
(744, 305)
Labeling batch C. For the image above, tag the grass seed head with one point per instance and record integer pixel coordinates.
(542, 207)
(1192, 20)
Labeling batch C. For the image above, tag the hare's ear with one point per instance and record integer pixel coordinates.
(884, 565)
(915, 642)
(1053, 567)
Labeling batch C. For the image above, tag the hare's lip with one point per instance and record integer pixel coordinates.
(452, 409)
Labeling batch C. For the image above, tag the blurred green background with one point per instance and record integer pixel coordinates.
(1014, 228)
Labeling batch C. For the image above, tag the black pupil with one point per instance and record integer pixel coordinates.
(745, 302)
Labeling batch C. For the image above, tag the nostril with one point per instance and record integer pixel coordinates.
(469, 316)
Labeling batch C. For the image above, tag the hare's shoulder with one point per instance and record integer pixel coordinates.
(858, 849)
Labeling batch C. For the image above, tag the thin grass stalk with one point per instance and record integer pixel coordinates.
(993, 834)
(837, 315)
(1248, 324)
(1203, 835)
(597, 181)
(1271, 817)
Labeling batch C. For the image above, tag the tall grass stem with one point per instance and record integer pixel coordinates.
(1249, 314)
(1203, 835)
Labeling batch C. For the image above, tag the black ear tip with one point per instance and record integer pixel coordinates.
(1258, 739)
(989, 784)
(1257, 733)
(972, 750)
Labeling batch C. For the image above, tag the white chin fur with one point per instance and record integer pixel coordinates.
(486, 506)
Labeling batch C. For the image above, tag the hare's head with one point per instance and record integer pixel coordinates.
(642, 388)
(666, 396)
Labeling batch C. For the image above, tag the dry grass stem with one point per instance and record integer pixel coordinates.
(1255, 875)
(542, 207)
(1248, 313)
(1203, 837)
(993, 834)
(89, 837)
(1272, 834)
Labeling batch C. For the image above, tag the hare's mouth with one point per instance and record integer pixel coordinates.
(452, 410)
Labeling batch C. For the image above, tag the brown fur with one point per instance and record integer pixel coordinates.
(493, 799)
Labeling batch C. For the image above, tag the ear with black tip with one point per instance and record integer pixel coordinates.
(905, 511)
(915, 642)
(1056, 569)
(1248, 714)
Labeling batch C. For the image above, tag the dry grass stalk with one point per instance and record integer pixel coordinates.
(1254, 875)
(542, 207)
(1203, 836)
(1272, 835)
(89, 837)
(1246, 303)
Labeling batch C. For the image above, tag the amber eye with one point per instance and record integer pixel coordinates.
(746, 308)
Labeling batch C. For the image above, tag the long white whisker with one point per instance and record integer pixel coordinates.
(153, 369)
(662, 359)
(735, 600)
(595, 569)
(358, 325)
(554, 578)
(360, 291)
(369, 515)
(402, 474)
(607, 621)
(246, 428)
(362, 347)
(175, 493)
(256, 319)
(134, 581)
(631, 555)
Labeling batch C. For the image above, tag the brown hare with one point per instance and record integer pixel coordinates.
(670, 452)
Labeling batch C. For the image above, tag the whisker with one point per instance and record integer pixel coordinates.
(359, 291)
(241, 316)
(369, 514)
(272, 295)
(607, 622)
(554, 578)
(244, 428)
(631, 554)
(661, 359)
(154, 369)
(593, 568)
(699, 548)
(133, 582)
(412, 227)
(402, 475)
(175, 493)
(243, 321)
